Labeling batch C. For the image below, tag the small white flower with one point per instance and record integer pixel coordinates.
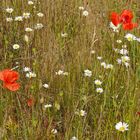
(26, 38)
(124, 46)
(19, 18)
(40, 14)
(119, 61)
(130, 37)
(47, 106)
(26, 69)
(30, 75)
(60, 72)
(85, 13)
(115, 28)
(64, 35)
(121, 126)
(103, 64)
(16, 46)
(30, 2)
(81, 8)
(99, 58)
(54, 131)
(26, 15)
(46, 86)
(9, 10)
(39, 26)
(97, 82)
(125, 59)
(92, 52)
(123, 52)
(119, 41)
(74, 138)
(17, 63)
(109, 66)
(87, 73)
(9, 19)
(28, 29)
(82, 113)
(126, 64)
(99, 90)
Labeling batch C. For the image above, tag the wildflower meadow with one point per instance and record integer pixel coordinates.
(69, 70)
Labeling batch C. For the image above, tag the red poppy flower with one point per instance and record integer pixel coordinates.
(125, 18)
(30, 102)
(115, 18)
(138, 113)
(129, 26)
(9, 78)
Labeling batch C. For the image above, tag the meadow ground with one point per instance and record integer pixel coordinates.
(67, 72)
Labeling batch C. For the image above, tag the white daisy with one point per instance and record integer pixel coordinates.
(16, 46)
(19, 18)
(130, 37)
(30, 2)
(85, 13)
(9, 19)
(82, 113)
(28, 29)
(87, 73)
(26, 15)
(121, 126)
(9, 10)
(39, 26)
(54, 131)
(99, 90)
(40, 14)
(45, 85)
(97, 82)
(81, 8)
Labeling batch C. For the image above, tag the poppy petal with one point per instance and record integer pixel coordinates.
(9, 76)
(12, 86)
(1, 76)
(12, 76)
(129, 26)
(30, 102)
(126, 16)
(115, 18)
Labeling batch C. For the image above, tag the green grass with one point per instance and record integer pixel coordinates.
(47, 52)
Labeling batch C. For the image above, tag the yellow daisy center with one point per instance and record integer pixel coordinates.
(122, 128)
(129, 38)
